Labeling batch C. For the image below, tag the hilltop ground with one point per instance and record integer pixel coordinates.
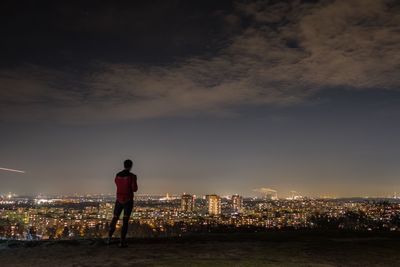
(259, 249)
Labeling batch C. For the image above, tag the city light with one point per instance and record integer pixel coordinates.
(82, 216)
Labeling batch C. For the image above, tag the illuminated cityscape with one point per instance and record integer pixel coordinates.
(88, 216)
(200, 133)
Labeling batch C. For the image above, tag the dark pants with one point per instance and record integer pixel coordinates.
(118, 208)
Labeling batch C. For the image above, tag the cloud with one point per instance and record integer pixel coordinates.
(281, 54)
(336, 43)
(353, 43)
(264, 190)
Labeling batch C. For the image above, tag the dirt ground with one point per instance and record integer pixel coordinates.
(266, 249)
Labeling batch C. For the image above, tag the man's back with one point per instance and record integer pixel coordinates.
(126, 185)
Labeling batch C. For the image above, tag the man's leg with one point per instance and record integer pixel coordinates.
(117, 212)
(127, 214)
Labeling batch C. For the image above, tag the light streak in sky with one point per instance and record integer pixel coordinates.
(11, 170)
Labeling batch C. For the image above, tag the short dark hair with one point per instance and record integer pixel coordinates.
(128, 164)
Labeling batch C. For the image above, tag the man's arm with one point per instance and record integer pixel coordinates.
(134, 183)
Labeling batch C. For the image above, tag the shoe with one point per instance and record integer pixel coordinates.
(108, 241)
(122, 245)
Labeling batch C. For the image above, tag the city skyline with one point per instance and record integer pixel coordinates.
(284, 195)
(205, 97)
(26, 218)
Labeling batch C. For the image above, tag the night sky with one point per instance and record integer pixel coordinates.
(204, 96)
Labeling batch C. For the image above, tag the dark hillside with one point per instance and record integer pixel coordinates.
(266, 249)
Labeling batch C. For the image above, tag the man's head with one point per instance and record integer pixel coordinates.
(128, 164)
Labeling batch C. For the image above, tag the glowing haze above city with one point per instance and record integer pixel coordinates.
(216, 97)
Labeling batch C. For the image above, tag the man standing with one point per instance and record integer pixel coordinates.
(126, 185)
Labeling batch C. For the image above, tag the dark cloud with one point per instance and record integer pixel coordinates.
(76, 33)
(260, 53)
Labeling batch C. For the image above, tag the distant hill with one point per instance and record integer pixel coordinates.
(259, 249)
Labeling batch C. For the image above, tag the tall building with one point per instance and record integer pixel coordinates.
(214, 204)
(187, 202)
(237, 203)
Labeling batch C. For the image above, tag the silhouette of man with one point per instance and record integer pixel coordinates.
(126, 185)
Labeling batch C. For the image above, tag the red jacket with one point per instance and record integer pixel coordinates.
(126, 185)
